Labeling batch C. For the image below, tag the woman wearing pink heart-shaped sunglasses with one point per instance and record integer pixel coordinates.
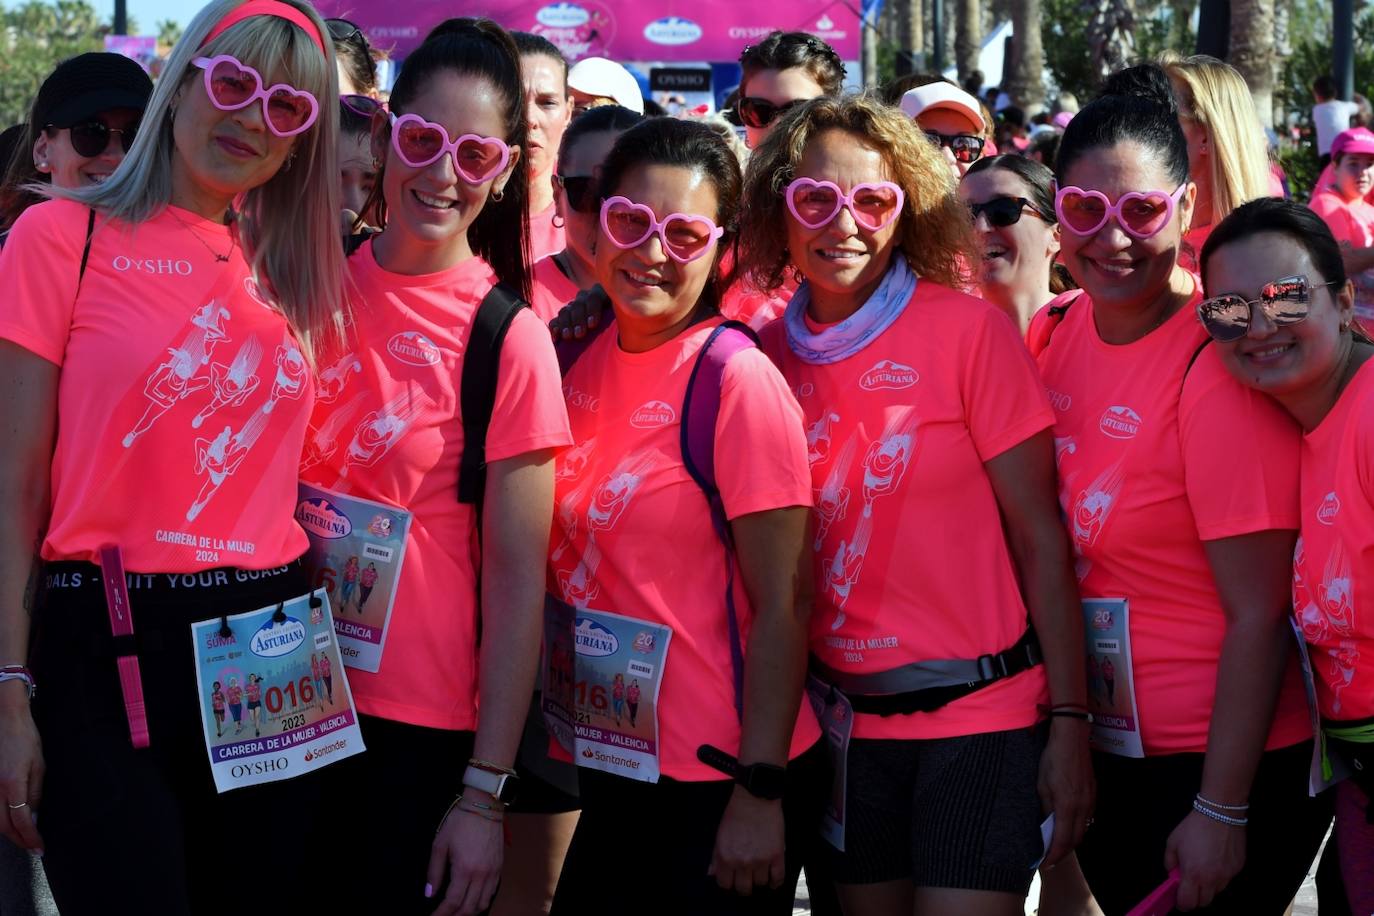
(156, 330)
(937, 536)
(1202, 752)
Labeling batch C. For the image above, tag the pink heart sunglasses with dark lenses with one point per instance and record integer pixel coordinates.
(1142, 214)
(874, 205)
(420, 143)
(231, 84)
(685, 236)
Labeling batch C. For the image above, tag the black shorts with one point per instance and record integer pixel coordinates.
(944, 812)
(547, 786)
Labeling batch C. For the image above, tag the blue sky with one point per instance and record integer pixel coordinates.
(150, 12)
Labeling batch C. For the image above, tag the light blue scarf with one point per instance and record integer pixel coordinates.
(843, 340)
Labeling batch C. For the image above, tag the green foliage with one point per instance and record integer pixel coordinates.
(168, 33)
(1063, 32)
(35, 38)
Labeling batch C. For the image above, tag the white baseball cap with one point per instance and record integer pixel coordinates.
(606, 79)
(917, 101)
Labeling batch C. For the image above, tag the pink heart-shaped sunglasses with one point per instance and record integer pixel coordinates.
(1142, 214)
(231, 84)
(873, 204)
(419, 143)
(685, 236)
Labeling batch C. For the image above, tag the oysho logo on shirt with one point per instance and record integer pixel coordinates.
(652, 414)
(886, 374)
(1120, 423)
(413, 348)
(1328, 510)
(176, 267)
(580, 399)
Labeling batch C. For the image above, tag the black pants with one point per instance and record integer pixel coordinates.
(393, 798)
(144, 831)
(646, 848)
(1140, 801)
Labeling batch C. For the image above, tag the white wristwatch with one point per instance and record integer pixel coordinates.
(500, 786)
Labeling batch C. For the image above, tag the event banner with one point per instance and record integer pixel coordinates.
(623, 30)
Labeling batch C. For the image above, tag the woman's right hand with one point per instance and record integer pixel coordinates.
(581, 315)
(21, 769)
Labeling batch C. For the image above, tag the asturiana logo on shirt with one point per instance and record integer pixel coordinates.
(886, 374)
(652, 414)
(273, 640)
(413, 348)
(1120, 423)
(1327, 511)
(177, 267)
(593, 640)
(321, 517)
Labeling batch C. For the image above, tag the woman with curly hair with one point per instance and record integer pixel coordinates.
(925, 418)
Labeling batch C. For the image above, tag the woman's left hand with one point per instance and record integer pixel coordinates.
(469, 848)
(1066, 785)
(749, 844)
(1207, 854)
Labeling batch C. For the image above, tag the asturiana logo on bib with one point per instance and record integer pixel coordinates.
(672, 30)
(1119, 423)
(413, 348)
(562, 16)
(323, 518)
(652, 414)
(1330, 507)
(888, 375)
(273, 640)
(593, 640)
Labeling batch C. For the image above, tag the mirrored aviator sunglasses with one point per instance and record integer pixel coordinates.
(1284, 302)
(93, 138)
(966, 148)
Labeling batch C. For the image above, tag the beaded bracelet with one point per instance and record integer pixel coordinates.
(1202, 809)
(1220, 807)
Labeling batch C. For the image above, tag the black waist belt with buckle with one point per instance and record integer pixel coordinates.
(929, 685)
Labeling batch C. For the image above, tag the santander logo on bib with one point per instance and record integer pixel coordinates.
(652, 414)
(886, 374)
(1120, 423)
(1330, 507)
(413, 348)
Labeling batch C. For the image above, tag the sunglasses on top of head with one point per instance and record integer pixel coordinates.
(1004, 211)
(91, 138)
(232, 85)
(1284, 302)
(420, 143)
(757, 113)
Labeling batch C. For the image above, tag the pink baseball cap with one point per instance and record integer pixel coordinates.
(942, 95)
(1354, 140)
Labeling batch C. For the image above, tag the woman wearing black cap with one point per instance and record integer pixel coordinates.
(81, 125)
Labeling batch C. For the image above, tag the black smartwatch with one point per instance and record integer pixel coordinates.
(762, 780)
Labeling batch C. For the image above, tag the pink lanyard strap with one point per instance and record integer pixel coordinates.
(122, 625)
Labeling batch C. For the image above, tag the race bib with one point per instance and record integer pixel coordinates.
(600, 681)
(1111, 682)
(1327, 768)
(274, 701)
(356, 549)
(836, 717)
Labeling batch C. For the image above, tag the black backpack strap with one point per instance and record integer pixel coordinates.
(481, 368)
(86, 251)
(355, 241)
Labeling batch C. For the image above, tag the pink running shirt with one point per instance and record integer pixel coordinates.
(388, 428)
(545, 237)
(1149, 468)
(183, 396)
(632, 532)
(1352, 223)
(1333, 567)
(551, 291)
(911, 562)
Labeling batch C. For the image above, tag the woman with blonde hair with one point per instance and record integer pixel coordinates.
(925, 417)
(156, 339)
(1228, 158)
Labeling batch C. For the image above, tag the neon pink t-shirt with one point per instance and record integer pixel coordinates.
(1352, 223)
(551, 290)
(545, 237)
(1333, 567)
(183, 398)
(217, 701)
(350, 573)
(235, 695)
(253, 691)
(1146, 475)
(391, 431)
(632, 533)
(368, 578)
(754, 307)
(911, 562)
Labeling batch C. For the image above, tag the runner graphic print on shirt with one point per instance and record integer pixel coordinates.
(818, 439)
(293, 376)
(380, 430)
(232, 384)
(331, 381)
(321, 443)
(220, 458)
(1092, 507)
(606, 506)
(832, 499)
(179, 376)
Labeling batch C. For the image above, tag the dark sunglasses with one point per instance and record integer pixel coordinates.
(965, 147)
(1284, 302)
(362, 105)
(1002, 212)
(579, 191)
(757, 112)
(92, 138)
(341, 30)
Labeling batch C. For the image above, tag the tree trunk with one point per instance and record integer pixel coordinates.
(1111, 35)
(968, 37)
(1252, 51)
(1025, 81)
(910, 35)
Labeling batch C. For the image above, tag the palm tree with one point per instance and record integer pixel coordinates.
(1111, 35)
(1025, 84)
(968, 36)
(1252, 51)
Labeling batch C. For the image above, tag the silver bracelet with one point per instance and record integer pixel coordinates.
(1218, 816)
(1219, 806)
